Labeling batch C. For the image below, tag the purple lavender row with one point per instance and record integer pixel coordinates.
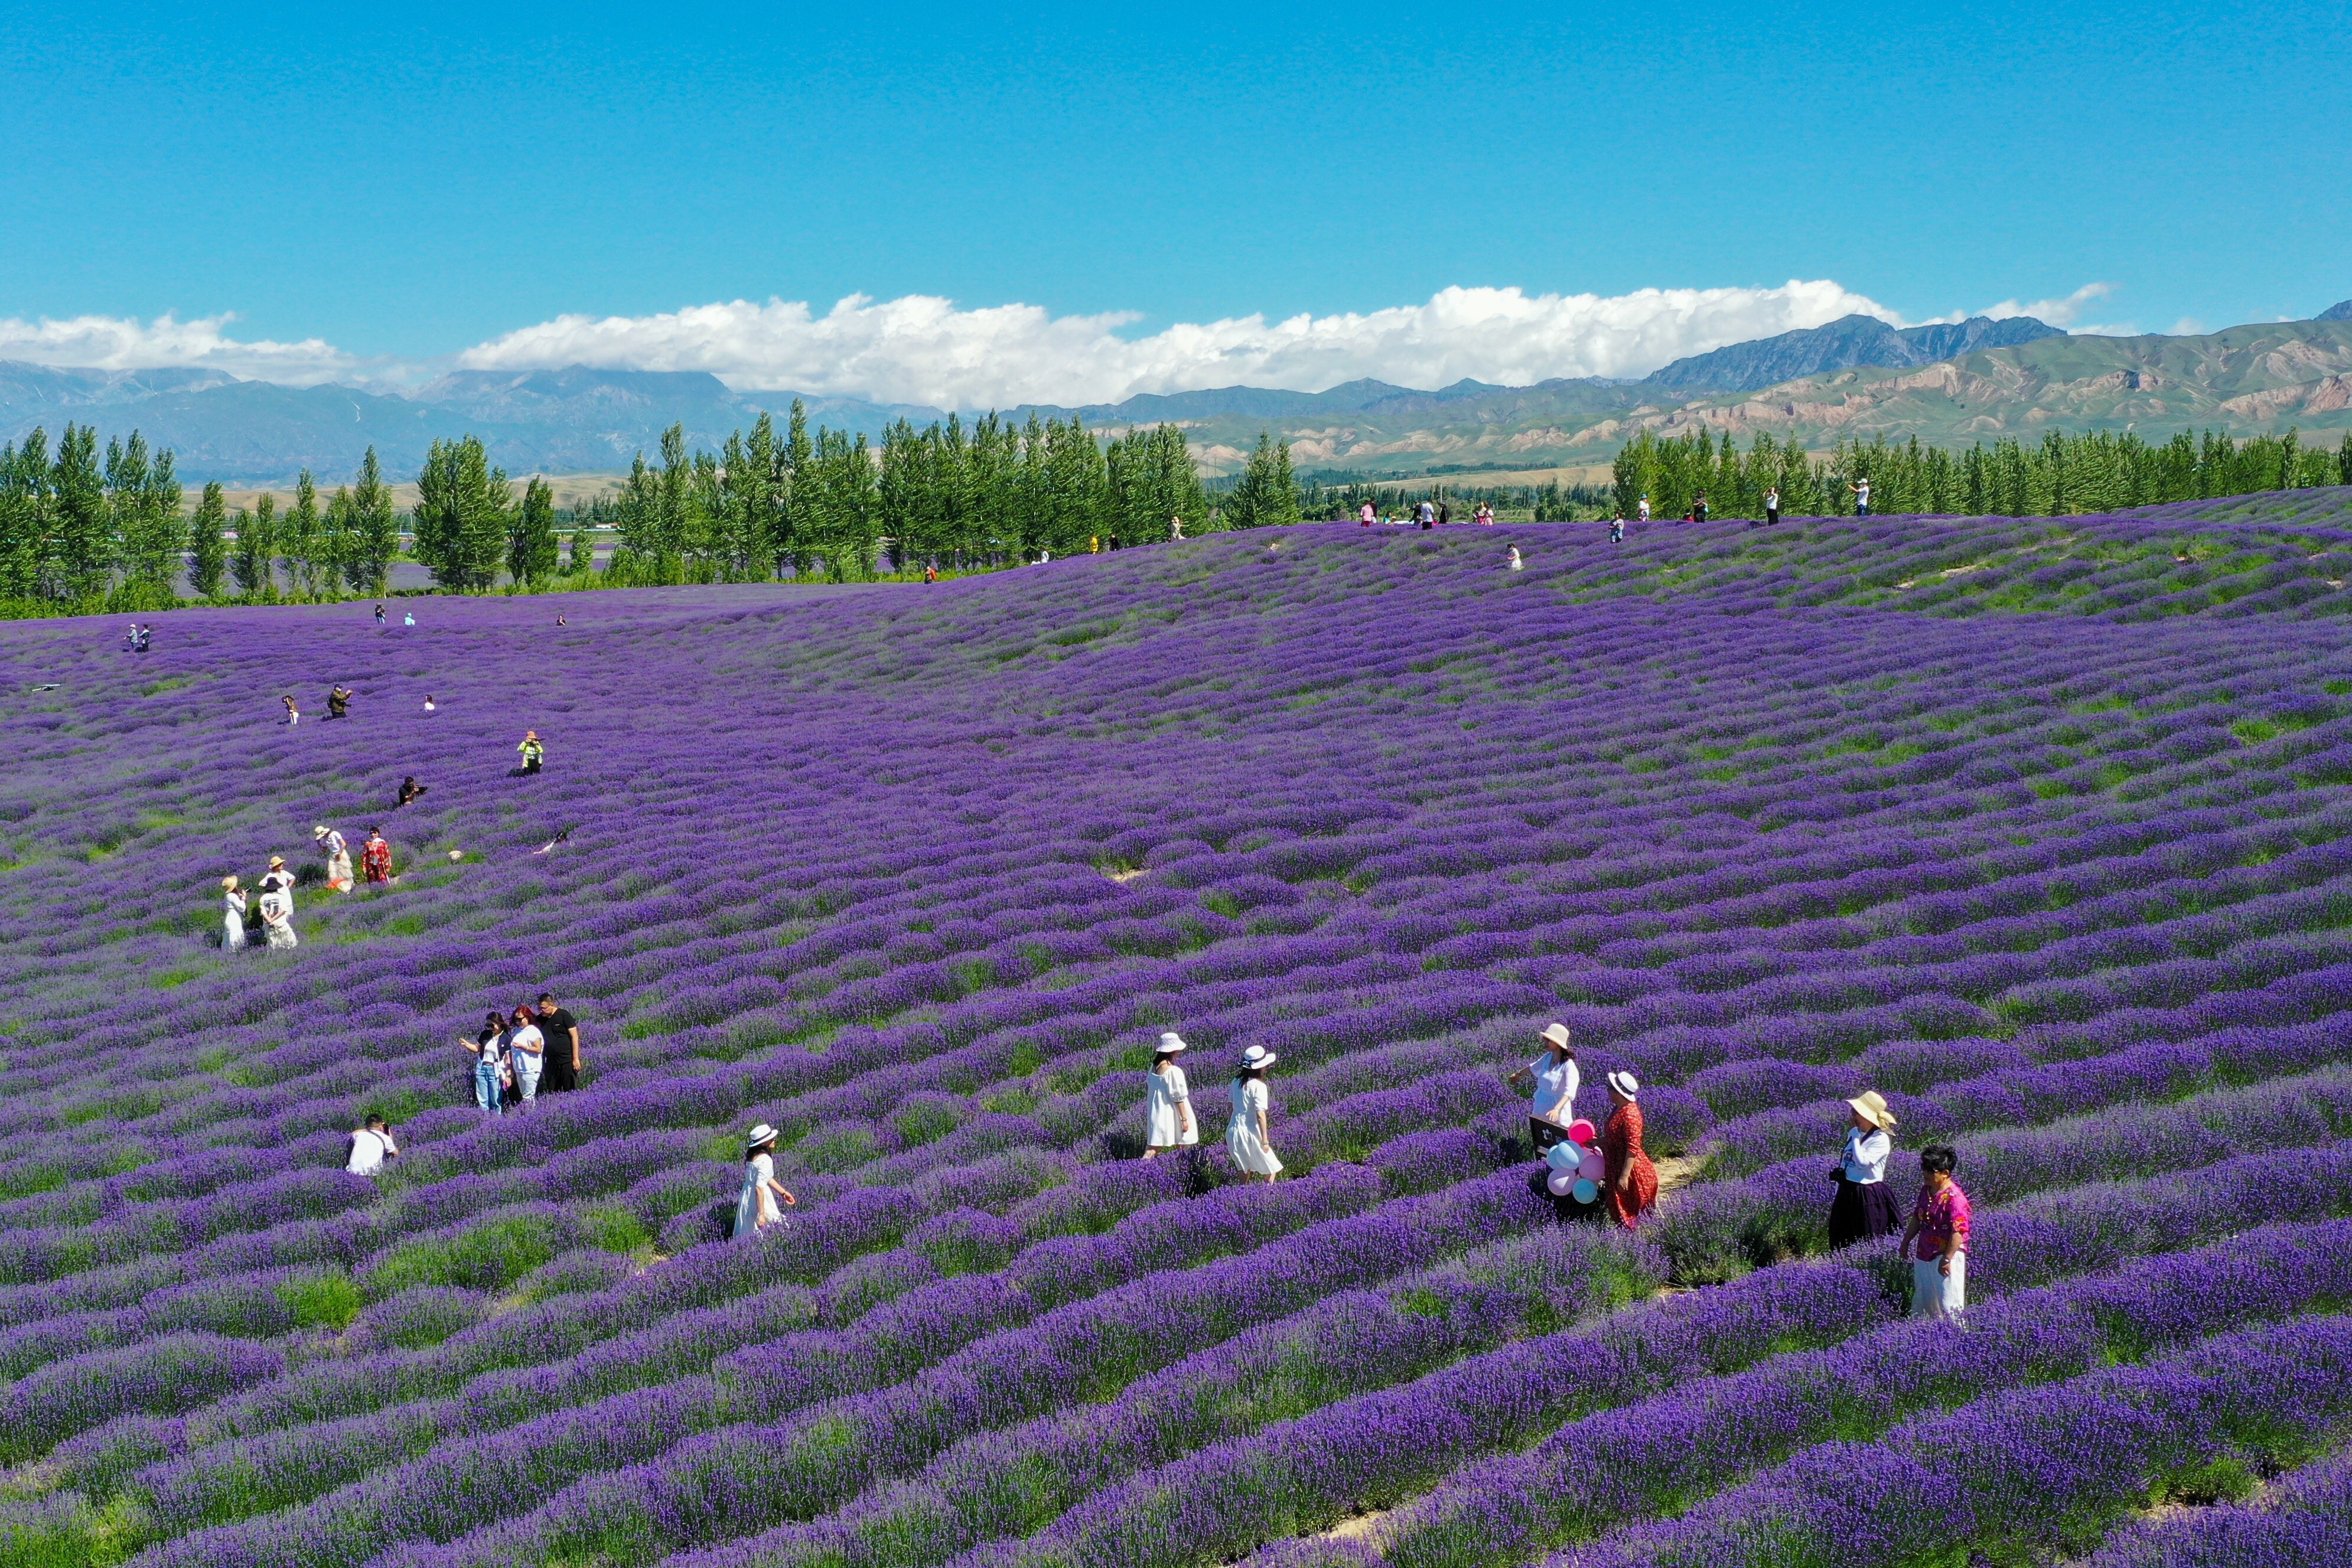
(766, 1471)
(1658, 1458)
(2038, 1470)
(463, 1483)
(2302, 1520)
(1351, 1341)
(1376, 1450)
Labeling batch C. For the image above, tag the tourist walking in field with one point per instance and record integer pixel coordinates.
(1772, 506)
(1699, 508)
(371, 1144)
(339, 701)
(379, 615)
(1168, 1120)
(375, 857)
(1552, 1080)
(1861, 488)
(534, 753)
(1515, 564)
(755, 1205)
(1938, 1238)
(1247, 1137)
(1632, 1181)
(1483, 517)
(277, 914)
(1864, 1207)
(1364, 515)
(560, 1073)
(337, 854)
(293, 713)
(232, 913)
(1643, 510)
(1617, 530)
(1425, 515)
(490, 1064)
(526, 1052)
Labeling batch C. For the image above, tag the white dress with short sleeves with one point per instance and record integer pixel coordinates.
(1249, 1151)
(1165, 1093)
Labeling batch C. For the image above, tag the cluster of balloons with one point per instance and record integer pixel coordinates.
(1576, 1164)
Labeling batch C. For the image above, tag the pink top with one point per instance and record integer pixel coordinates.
(1942, 1220)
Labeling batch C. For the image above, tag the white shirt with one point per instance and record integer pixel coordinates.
(526, 1041)
(368, 1149)
(1865, 1155)
(1555, 1087)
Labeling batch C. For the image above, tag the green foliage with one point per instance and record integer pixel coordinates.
(530, 542)
(257, 544)
(301, 539)
(485, 1256)
(207, 543)
(460, 521)
(1267, 495)
(325, 1299)
(373, 531)
(615, 1229)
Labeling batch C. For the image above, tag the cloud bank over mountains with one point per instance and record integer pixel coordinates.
(921, 349)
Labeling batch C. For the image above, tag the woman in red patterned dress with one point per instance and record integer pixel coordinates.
(1631, 1182)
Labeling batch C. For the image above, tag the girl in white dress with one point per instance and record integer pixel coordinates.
(232, 913)
(755, 1208)
(1246, 1137)
(278, 916)
(1168, 1120)
(339, 858)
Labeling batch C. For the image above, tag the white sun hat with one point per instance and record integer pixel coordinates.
(762, 1133)
(1256, 1057)
(1556, 1034)
(1171, 1043)
(1626, 1083)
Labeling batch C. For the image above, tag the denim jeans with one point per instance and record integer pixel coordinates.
(488, 1093)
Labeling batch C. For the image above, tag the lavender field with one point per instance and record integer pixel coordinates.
(2040, 827)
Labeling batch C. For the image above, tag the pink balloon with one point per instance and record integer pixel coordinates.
(1593, 1167)
(1581, 1131)
(1560, 1183)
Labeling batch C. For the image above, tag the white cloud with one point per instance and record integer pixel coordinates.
(2066, 312)
(921, 349)
(125, 343)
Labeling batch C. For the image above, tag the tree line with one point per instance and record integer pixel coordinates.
(2060, 475)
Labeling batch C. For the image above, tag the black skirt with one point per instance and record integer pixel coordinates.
(1860, 1211)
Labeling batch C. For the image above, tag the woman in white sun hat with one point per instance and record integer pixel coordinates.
(1552, 1080)
(232, 913)
(755, 1208)
(1168, 1120)
(1632, 1181)
(1247, 1139)
(1864, 1207)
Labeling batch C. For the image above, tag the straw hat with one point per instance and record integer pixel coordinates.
(319, 831)
(1871, 1106)
(1557, 1035)
(1171, 1043)
(1626, 1083)
(762, 1133)
(229, 881)
(1257, 1057)
(277, 861)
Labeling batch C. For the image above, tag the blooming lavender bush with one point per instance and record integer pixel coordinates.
(917, 876)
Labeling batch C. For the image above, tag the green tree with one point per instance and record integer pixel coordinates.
(80, 554)
(461, 516)
(207, 550)
(583, 557)
(531, 546)
(374, 530)
(1267, 494)
(25, 509)
(256, 544)
(301, 539)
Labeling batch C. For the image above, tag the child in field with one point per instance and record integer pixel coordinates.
(1939, 1224)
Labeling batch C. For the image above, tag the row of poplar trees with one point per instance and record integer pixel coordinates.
(2060, 475)
(79, 531)
(951, 494)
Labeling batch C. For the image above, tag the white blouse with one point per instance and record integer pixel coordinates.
(1865, 1155)
(1555, 1090)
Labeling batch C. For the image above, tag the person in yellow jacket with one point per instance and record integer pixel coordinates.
(534, 753)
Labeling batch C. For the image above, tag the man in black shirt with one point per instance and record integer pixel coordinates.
(560, 1068)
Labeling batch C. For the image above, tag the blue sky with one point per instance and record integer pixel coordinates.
(392, 193)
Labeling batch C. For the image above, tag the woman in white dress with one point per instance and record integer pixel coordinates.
(1246, 1137)
(1168, 1120)
(278, 915)
(755, 1208)
(232, 913)
(339, 857)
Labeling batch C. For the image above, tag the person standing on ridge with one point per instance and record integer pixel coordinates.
(1772, 506)
(1444, 514)
(1864, 1208)
(1699, 508)
(534, 753)
(1364, 515)
(376, 858)
(277, 912)
(1631, 1181)
(1425, 515)
(526, 1052)
(1861, 488)
(1168, 1122)
(1642, 511)
(561, 1031)
(1248, 1138)
(1617, 530)
(1175, 530)
(232, 913)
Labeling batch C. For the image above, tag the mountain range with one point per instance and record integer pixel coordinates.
(1946, 383)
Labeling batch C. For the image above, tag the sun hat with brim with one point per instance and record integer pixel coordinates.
(277, 860)
(1556, 1035)
(1172, 1042)
(762, 1133)
(319, 831)
(1871, 1106)
(229, 881)
(1626, 1083)
(1257, 1056)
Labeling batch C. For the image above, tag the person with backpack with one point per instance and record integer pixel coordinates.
(371, 1144)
